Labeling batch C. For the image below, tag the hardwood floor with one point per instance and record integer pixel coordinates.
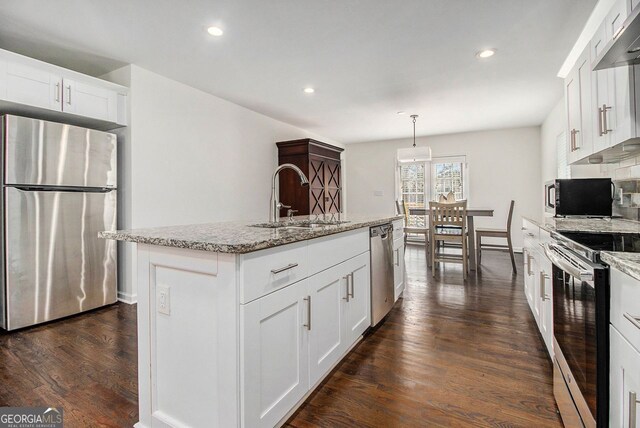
(449, 354)
(86, 364)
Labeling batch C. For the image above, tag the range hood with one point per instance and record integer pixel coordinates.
(624, 48)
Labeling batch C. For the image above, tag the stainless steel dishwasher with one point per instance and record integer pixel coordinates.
(381, 245)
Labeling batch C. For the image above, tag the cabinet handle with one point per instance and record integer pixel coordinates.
(543, 285)
(633, 320)
(600, 122)
(58, 92)
(397, 256)
(69, 94)
(605, 124)
(352, 287)
(571, 139)
(633, 407)
(308, 324)
(574, 140)
(282, 269)
(529, 265)
(347, 282)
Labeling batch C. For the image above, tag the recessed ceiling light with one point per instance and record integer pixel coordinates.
(215, 31)
(400, 112)
(486, 53)
(309, 90)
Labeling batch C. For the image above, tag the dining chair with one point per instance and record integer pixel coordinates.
(403, 209)
(497, 233)
(448, 223)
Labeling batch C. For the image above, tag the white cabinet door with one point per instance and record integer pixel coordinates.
(546, 302)
(358, 308)
(90, 100)
(328, 291)
(601, 103)
(32, 86)
(398, 268)
(274, 350)
(529, 277)
(535, 287)
(624, 389)
(572, 99)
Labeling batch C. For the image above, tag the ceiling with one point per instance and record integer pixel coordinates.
(366, 59)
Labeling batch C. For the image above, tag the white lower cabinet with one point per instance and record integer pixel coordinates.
(327, 340)
(274, 352)
(625, 383)
(545, 322)
(292, 337)
(357, 309)
(538, 282)
(398, 268)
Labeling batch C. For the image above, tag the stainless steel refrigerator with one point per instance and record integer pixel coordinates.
(58, 191)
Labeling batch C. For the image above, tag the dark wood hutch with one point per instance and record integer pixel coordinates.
(320, 162)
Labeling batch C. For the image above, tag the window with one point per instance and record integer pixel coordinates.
(564, 170)
(412, 189)
(448, 174)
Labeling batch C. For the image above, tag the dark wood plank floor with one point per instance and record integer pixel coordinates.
(86, 364)
(449, 354)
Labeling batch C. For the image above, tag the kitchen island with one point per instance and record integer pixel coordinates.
(239, 322)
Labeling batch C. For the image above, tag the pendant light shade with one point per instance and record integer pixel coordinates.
(414, 154)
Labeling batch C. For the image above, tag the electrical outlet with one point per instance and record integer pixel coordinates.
(164, 300)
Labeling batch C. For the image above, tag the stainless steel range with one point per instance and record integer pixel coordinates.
(581, 307)
(58, 191)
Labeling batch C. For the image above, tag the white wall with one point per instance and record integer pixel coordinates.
(503, 165)
(190, 157)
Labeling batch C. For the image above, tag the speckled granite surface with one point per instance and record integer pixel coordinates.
(239, 238)
(592, 225)
(628, 263)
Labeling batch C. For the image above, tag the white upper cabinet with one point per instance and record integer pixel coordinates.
(578, 99)
(601, 104)
(34, 88)
(90, 100)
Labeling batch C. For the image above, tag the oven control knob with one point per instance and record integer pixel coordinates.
(586, 276)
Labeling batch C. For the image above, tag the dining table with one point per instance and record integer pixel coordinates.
(471, 213)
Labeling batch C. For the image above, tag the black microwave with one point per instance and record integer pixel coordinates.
(588, 197)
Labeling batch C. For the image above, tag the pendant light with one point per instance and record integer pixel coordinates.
(414, 154)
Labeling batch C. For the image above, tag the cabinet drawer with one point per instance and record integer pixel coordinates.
(625, 306)
(398, 227)
(269, 270)
(333, 249)
(530, 230)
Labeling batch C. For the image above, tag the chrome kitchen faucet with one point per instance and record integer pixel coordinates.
(275, 204)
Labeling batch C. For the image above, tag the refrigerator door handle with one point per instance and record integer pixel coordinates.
(64, 189)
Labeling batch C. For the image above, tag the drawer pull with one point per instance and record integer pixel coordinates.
(282, 269)
(308, 324)
(346, 278)
(633, 320)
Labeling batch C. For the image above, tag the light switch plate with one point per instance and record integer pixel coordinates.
(378, 193)
(164, 299)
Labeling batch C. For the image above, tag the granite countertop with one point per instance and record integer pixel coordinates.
(591, 225)
(628, 263)
(244, 237)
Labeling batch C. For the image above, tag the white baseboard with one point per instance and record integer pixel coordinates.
(127, 298)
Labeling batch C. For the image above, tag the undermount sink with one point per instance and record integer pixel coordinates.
(299, 225)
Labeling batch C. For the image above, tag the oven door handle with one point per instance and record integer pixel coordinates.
(550, 252)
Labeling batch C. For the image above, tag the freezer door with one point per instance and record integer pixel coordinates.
(55, 263)
(37, 152)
